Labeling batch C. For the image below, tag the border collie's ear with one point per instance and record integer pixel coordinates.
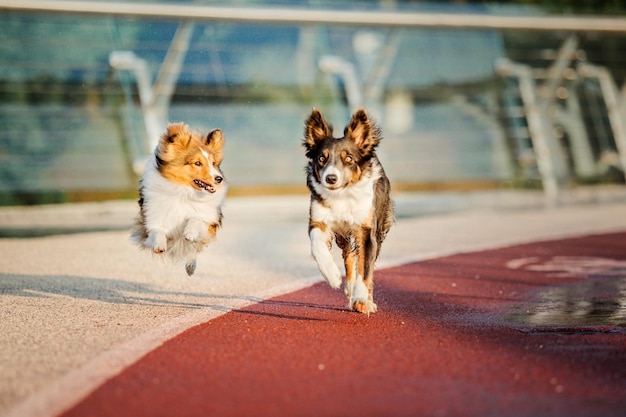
(316, 129)
(215, 142)
(363, 131)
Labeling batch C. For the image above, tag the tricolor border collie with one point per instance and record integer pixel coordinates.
(181, 195)
(350, 203)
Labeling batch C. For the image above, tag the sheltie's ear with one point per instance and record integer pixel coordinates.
(364, 132)
(316, 129)
(215, 142)
(176, 138)
(176, 133)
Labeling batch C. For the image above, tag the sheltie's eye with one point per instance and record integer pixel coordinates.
(198, 163)
(321, 159)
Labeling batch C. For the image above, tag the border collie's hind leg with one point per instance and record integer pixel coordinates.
(366, 249)
(349, 258)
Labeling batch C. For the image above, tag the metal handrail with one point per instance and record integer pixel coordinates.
(291, 15)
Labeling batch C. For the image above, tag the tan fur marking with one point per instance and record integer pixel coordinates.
(348, 256)
(361, 307)
(316, 129)
(359, 134)
(356, 176)
(318, 225)
(360, 243)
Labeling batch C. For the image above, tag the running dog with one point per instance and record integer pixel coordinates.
(181, 195)
(350, 203)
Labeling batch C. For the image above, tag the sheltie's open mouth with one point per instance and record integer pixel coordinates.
(204, 185)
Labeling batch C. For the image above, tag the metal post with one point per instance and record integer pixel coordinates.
(165, 82)
(614, 104)
(155, 98)
(540, 131)
(572, 120)
(336, 65)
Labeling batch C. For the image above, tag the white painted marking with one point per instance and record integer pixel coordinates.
(572, 266)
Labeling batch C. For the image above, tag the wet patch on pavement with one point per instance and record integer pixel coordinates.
(592, 300)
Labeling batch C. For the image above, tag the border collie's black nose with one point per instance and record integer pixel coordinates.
(331, 179)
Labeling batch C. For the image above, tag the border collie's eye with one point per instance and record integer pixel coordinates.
(349, 159)
(198, 163)
(321, 159)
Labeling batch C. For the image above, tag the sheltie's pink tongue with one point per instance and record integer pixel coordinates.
(204, 185)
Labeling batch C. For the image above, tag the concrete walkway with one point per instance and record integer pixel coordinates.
(77, 308)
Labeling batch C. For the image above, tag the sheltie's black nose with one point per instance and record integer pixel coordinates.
(331, 179)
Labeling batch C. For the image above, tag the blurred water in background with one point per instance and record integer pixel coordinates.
(263, 146)
(263, 142)
(71, 125)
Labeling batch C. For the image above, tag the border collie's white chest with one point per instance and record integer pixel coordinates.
(349, 206)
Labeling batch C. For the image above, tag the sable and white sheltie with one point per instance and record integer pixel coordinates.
(181, 195)
(350, 203)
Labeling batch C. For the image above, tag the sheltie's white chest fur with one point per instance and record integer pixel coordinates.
(168, 206)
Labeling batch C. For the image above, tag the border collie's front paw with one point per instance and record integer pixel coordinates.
(335, 281)
(332, 274)
(364, 306)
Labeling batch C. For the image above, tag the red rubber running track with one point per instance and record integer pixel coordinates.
(530, 330)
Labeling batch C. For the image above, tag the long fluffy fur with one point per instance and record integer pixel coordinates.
(350, 203)
(181, 195)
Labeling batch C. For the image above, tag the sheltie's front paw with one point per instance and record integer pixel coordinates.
(364, 306)
(158, 242)
(196, 232)
(190, 235)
